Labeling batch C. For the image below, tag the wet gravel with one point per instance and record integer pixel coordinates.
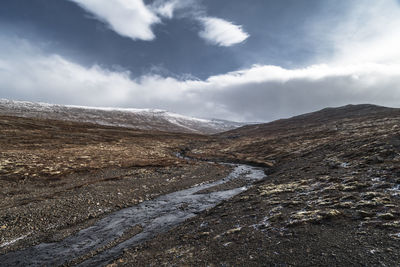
(153, 216)
(53, 210)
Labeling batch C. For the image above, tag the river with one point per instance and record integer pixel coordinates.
(103, 242)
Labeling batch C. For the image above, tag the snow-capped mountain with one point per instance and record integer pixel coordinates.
(145, 119)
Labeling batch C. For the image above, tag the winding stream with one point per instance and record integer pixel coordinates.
(101, 243)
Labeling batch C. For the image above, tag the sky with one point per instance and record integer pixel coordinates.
(257, 60)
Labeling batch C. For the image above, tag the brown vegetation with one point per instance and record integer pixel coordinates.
(57, 177)
(332, 196)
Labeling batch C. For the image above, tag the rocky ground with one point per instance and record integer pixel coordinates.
(331, 198)
(59, 177)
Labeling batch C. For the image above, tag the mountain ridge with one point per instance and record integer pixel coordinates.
(142, 119)
(324, 116)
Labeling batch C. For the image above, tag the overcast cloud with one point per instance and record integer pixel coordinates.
(260, 93)
(363, 68)
(370, 33)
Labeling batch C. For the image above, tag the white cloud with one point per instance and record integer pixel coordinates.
(166, 8)
(130, 18)
(135, 19)
(365, 68)
(366, 32)
(257, 93)
(221, 32)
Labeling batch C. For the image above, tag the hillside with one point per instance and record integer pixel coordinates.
(266, 143)
(331, 196)
(143, 119)
(327, 117)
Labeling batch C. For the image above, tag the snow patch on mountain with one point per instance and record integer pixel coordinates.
(144, 119)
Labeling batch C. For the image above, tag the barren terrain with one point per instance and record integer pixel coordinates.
(58, 177)
(332, 197)
(332, 194)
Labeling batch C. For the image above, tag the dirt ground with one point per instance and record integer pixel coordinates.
(58, 177)
(297, 217)
(331, 198)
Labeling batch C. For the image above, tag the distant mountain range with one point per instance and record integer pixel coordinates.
(144, 119)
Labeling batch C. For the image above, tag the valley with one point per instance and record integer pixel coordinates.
(331, 194)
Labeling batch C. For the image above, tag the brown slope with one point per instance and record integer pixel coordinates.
(332, 197)
(326, 116)
(265, 144)
(41, 147)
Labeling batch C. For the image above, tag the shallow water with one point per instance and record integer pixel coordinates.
(154, 216)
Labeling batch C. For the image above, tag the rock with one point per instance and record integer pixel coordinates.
(395, 236)
(84, 157)
(394, 224)
(204, 234)
(386, 216)
(233, 231)
(217, 237)
(364, 214)
(366, 204)
(332, 213)
(371, 195)
(375, 159)
(345, 204)
(244, 198)
(227, 244)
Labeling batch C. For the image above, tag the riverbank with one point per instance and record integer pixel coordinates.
(109, 237)
(53, 210)
(307, 213)
(59, 177)
(332, 197)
